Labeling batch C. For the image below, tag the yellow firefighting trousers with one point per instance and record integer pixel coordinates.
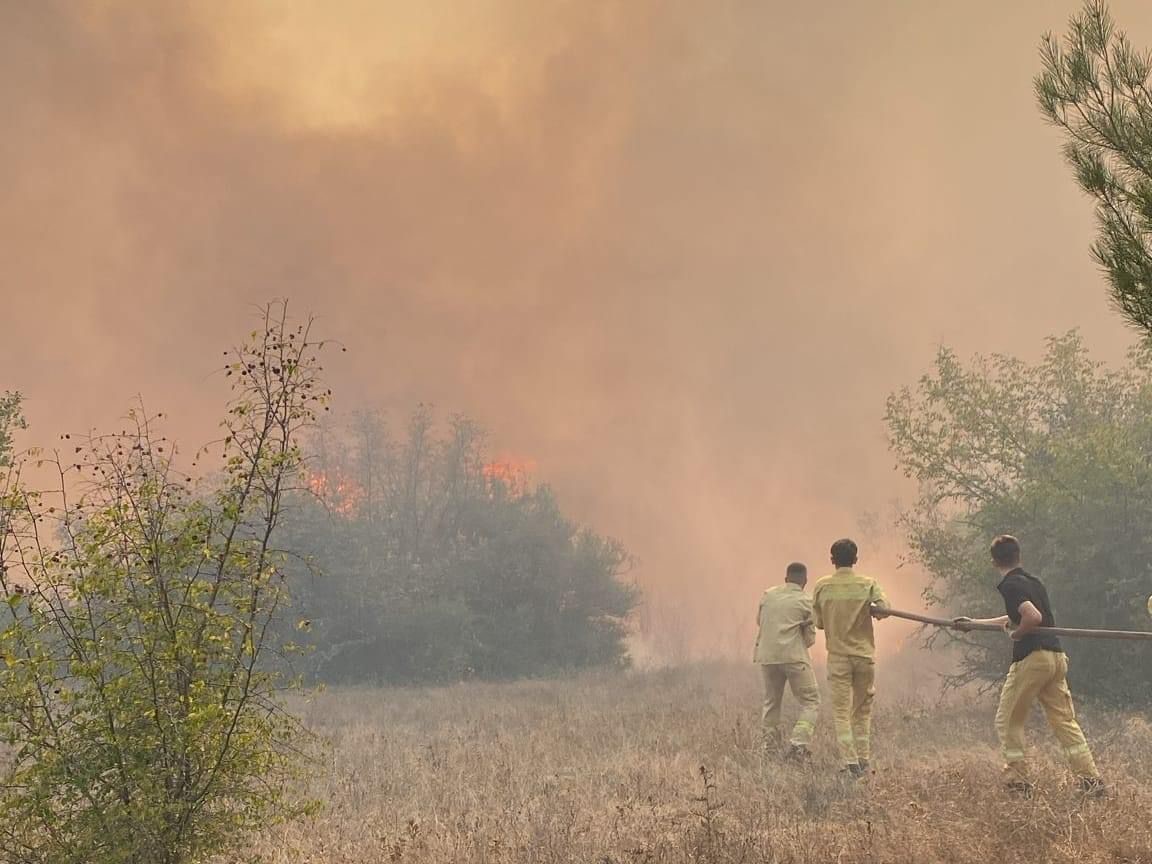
(851, 688)
(802, 682)
(1040, 677)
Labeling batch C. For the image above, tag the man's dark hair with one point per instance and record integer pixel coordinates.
(1006, 550)
(844, 553)
(797, 573)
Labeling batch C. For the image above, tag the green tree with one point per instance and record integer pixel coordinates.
(10, 420)
(1095, 88)
(430, 562)
(1056, 453)
(140, 722)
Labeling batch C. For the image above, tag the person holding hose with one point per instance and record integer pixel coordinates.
(785, 632)
(844, 604)
(1038, 673)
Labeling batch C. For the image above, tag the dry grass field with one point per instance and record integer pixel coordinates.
(664, 767)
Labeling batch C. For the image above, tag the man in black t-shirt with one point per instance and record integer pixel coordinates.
(1038, 672)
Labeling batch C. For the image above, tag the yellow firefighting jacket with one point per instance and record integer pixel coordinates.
(841, 606)
(787, 629)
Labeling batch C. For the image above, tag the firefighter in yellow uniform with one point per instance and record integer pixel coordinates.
(844, 605)
(1039, 673)
(786, 630)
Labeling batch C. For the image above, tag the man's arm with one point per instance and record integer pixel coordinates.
(809, 633)
(1014, 598)
(817, 617)
(808, 626)
(963, 623)
(878, 601)
(1030, 620)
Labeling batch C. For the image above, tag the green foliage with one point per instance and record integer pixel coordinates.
(138, 722)
(1056, 453)
(1095, 88)
(10, 420)
(431, 563)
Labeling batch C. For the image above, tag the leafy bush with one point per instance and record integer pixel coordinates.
(10, 420)
(140, 723)
(1057, 453)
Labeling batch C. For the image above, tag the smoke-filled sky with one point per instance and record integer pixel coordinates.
(675, 253)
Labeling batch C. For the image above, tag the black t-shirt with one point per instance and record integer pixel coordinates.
(1015, 588)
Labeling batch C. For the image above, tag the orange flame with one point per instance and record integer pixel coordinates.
(340, 493)
(514, 475)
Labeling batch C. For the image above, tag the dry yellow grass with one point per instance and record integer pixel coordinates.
(664, 767)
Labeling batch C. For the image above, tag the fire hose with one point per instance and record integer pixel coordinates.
(1131, 635)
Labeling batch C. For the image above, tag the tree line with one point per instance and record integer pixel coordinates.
(429, 560)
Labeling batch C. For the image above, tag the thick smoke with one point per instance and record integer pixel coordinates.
(675, 253)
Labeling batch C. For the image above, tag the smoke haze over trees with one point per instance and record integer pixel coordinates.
(676, 253)
(430, 560)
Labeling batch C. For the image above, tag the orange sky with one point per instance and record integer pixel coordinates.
(677, 254)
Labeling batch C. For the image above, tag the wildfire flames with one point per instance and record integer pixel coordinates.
(513, 474)
(344, 495)
(340, 493)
